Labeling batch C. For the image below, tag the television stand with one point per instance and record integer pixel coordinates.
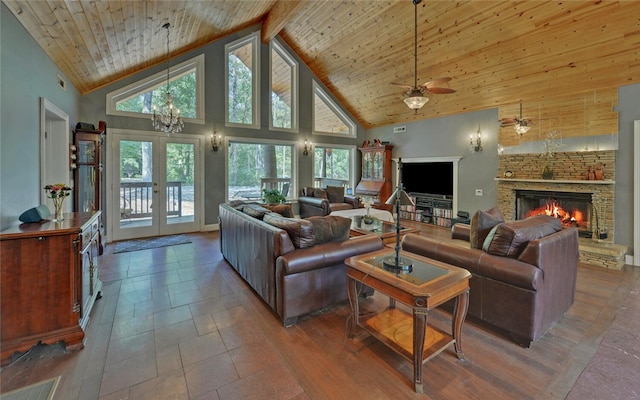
(434, 209)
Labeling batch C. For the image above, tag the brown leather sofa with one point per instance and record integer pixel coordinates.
(524, 277)
(292, 281)
(320, 202)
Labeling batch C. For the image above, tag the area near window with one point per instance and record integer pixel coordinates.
(328, 118)
(333, 166)
(242, 84)
(254, 166)
(284, 89)
(186, 85)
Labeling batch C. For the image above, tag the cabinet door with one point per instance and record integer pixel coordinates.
(367, 166)
(378, 166)
(87, 175)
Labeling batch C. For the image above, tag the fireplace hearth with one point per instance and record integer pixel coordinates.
(571, 208)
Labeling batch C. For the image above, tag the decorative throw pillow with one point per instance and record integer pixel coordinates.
(320, 193)
(510, 238)
(300, 230)
(330, 228)
(254, 210)
(481, 224)
(308, 191)
(283, 209)
(335, 194)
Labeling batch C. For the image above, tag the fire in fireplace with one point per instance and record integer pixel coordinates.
(572, 209)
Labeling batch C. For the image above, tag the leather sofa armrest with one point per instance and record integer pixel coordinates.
(313, 201)
(461, 231)
(353, 200)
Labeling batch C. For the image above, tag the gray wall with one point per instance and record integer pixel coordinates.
(449, 137)
(26, 75)
(94, 109)
(628, 111)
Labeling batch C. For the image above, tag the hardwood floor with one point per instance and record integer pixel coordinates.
(178, 323)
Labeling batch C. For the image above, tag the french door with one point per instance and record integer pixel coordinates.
(155, 184)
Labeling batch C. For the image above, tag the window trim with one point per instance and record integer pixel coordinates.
(252, 38)
(317, 89)
(352, 156)
(293, 189)
(154, 80)
(276, 46)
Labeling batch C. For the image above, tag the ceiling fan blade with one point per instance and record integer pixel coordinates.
(438, 90)
(402, 84)
(436, 82)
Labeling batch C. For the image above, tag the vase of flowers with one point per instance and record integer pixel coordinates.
(57, 193)
(367, 202)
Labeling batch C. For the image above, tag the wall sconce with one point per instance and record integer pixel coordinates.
(307, 146)
(215, 141)
(477, 145)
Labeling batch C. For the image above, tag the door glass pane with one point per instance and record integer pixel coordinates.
(86, 188)
(180, 179)
(136, 186)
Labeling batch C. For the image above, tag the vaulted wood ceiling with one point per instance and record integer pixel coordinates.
(497, 52)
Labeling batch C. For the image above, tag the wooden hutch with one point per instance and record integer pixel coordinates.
(376, 174)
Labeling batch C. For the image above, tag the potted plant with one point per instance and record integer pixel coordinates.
(273, 196)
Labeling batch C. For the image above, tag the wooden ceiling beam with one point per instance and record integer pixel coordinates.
(279, 15)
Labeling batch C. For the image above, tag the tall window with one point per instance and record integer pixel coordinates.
(333, 165)
(284, 89)
(242, 72)
(257, 165)
(328, 118)
(186, 84)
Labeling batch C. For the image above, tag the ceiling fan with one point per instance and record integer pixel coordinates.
(520, 125)
(417, 96)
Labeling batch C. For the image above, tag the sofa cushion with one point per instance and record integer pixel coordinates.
(335, 194)
(308, 191)
(510, 238)
(300, 230)
(283, 209)
(255, 210)
(320, 193)
(330, 228)
(481, 224)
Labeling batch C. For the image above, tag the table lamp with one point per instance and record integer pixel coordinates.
(400, 198)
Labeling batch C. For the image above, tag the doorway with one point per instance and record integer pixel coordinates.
(55, 140)
(155, 184)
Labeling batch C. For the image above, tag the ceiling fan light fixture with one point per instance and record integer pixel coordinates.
(415, 99)
(521, 127)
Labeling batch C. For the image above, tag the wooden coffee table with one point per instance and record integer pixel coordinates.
(428, 285)
(385, 229)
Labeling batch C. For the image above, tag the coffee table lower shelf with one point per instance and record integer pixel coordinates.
(394, 328)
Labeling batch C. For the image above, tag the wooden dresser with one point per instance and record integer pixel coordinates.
(48, 282)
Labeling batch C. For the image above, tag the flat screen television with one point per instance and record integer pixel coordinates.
(428, 177)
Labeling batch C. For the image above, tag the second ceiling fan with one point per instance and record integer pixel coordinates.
(417, 95)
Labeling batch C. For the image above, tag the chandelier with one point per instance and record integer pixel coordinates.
(166, 119)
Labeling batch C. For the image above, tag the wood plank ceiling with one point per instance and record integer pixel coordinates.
(497, 52)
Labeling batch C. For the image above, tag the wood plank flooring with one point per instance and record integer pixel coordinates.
(179, 323)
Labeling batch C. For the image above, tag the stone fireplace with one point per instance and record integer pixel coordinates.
(570, 190)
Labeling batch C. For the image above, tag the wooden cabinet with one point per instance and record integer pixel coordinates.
(430, 208)
(48, 282)
(89, 175)
(376, 174)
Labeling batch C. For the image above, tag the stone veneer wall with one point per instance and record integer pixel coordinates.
(570, 170)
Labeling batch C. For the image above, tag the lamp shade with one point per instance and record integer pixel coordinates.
(521, 127)
(415, 99)
(404, 198)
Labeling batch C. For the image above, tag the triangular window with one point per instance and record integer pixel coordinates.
(186, 85)
(328, 118)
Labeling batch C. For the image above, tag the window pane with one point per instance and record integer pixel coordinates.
(332, 165)
(180, 178)
(254, 166)
(281, 84)
(325, 119)
(183, 96)
(241, 85)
